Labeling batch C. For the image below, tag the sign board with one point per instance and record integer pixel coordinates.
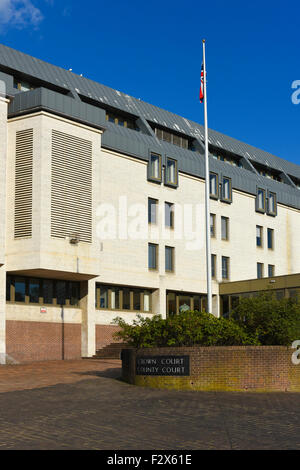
(43, 310)
(163, 365)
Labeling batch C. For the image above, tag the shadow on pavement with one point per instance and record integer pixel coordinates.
(108, 373)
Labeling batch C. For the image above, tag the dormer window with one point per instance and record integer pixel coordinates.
(171, 174)
(261, 200)
(226, 189)
(172, 137)
(214, 185)
(22, 86)
(121, 121)
(272, 204)
(154, 168)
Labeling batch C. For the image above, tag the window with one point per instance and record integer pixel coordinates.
(47, 291)
(22, 86)
(169, 215)
(61, 292)
(171, 175)
(213, 266)
(152, 256)
(34, 291)
(261, 200)
(225, 267)
(169, 251)
(8, 288)
(271, 270)
(136, 299)
(272, 204)
(180, 302)
(214, 185)
(123, 298)
(43, 291)
(126, 299)
(270, 239)
(147, 301)
(154, 168)
(115, 298)
(152, 210)
(73, 293)
(104, 297)
(121, 121)
(213, 225)
(20, 290)
(224, 228)
(259, 236)
(260, 270)
(184, 303)
(227, 190)
(172, 138)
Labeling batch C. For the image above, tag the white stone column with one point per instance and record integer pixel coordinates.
(159, 302)
(3, 157)
(88, 324)
(216, 306)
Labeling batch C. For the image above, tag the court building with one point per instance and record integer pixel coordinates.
(102, 202)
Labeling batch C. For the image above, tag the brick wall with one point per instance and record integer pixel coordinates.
(104, 335)
(35, 341)
(234, 368)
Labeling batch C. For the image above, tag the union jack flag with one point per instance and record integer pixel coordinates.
(202, 85)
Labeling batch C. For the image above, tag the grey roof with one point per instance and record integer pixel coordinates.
(139, 143)
(42, 98)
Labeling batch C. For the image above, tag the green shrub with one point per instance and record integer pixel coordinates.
(261, 320)
(270, 321)
(186, 329)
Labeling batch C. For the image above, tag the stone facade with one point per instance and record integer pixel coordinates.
(115, 197)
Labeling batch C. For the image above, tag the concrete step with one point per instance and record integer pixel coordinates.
(111, 351)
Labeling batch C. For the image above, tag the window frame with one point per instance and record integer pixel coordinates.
(171, 183)
(68, 298)
(156, 256)
(211, 195)
(172, 215)
(172, 270)
(213, 233)
(142, 292)
(269, 212)
(156, 202)
(261, 265)
(223, 197)
(270, 231)
(150, 177)
(227, 268)
(213, 266)
(272, 266)
(227, 228)
(257, 208)
(261, 237)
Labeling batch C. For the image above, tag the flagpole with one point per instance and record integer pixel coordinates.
(207, 194)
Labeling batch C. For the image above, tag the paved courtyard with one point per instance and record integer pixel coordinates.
(83, 405)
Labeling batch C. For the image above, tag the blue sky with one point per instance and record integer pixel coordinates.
(153, 51)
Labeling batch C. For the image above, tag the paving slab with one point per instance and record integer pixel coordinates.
(84, 405)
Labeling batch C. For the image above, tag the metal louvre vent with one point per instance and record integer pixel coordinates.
(71, 187)
(23, 184)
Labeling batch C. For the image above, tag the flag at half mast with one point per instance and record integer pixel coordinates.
(202, 85)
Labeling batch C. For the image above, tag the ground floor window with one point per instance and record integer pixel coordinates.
(42, 291)
(180, 302)
(109, 297)
(229, 302)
